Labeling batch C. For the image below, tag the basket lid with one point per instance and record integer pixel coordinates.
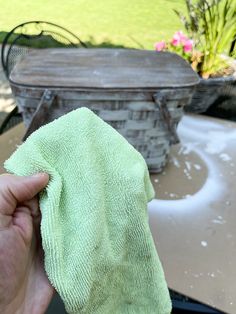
(103, 68)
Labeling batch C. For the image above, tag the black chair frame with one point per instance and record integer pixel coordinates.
(43, 28)
(13, 118)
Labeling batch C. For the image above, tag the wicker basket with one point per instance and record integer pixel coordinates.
(145, 113)
(142, 123)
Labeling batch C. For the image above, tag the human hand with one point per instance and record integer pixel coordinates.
(24, 286)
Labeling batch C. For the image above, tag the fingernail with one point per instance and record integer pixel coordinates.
(40, 175)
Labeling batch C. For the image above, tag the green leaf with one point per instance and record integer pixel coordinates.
(212, 25)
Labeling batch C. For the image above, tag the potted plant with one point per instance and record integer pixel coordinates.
(211, 25)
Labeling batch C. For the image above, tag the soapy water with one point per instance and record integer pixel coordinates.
(208, 140)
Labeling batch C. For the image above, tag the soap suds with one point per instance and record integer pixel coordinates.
(225, 157)
(188, 165)
(175, 161)
(196, 137)
(197, 167)
(212, 190)
(204, 243)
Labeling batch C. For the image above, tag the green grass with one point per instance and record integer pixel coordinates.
(128, 23)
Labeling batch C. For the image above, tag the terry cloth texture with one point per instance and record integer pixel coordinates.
(99, 252)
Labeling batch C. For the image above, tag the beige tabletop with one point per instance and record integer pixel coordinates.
(193, 218)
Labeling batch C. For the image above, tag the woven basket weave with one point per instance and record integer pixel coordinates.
(142, 122)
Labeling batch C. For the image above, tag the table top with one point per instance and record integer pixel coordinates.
(193, 218)
(103, 68)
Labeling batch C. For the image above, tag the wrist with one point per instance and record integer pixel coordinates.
(13, 309)
(9, 310)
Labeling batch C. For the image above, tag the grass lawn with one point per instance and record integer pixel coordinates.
(129, 23)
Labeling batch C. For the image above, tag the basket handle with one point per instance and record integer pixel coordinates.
(160, 99)
(41, 112)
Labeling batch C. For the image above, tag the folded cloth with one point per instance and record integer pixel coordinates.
(99, 252)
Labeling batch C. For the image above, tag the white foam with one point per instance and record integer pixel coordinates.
(175, 162)
(225, 157)
(197, 167)
(212, 190)
(213, 135)
(204, 243)
(196, 137)
(188, 165)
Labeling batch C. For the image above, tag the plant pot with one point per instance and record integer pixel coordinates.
(208, 91)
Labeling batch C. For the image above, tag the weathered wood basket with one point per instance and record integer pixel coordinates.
(140, 93)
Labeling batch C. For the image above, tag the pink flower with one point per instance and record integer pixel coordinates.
(188, 45)
(179, 38)
(159, 46)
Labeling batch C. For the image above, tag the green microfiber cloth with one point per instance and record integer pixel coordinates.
(99, 252)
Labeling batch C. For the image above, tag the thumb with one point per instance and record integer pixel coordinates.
(16, 189)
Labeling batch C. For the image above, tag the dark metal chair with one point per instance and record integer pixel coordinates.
(184, 305)
(13, 118)
(36, 34)
(25, 37)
